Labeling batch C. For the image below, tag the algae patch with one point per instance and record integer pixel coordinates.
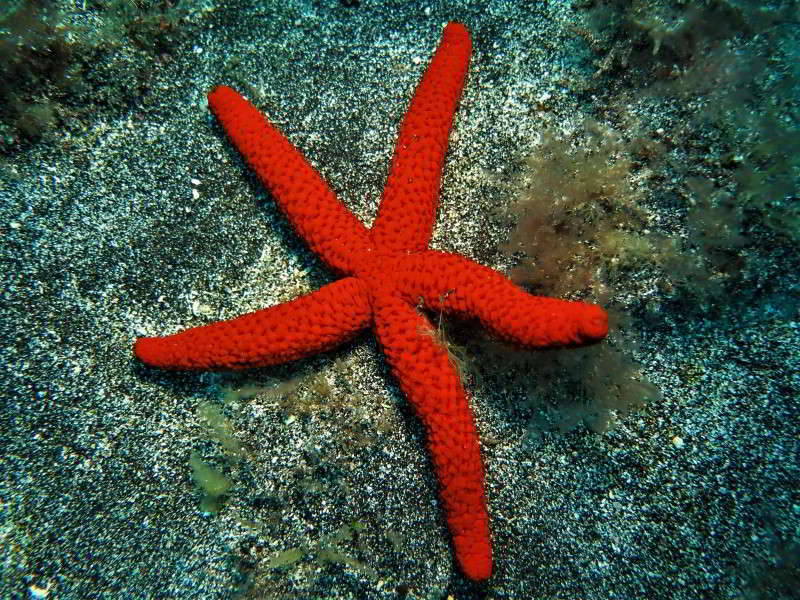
(211, 482)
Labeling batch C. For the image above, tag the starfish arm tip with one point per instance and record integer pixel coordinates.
(220, 94)
(166, 353)
(150, 351)
(592, 324)
(474, 556)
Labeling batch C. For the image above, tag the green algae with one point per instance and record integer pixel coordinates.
(211, 482)
(220, 429)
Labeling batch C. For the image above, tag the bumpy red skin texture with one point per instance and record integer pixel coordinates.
(388, 271)
(407, 210)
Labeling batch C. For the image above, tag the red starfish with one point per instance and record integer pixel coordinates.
(388, 271)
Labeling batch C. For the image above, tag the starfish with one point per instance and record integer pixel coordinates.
(388, 274)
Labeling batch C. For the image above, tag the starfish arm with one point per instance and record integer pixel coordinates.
(453, 283)
(432, 385)
(282, 333)
(408, 208)
(329, 228)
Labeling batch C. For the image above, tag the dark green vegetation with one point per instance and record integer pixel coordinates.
(717, 78)
(58, 69)
(681, 190)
